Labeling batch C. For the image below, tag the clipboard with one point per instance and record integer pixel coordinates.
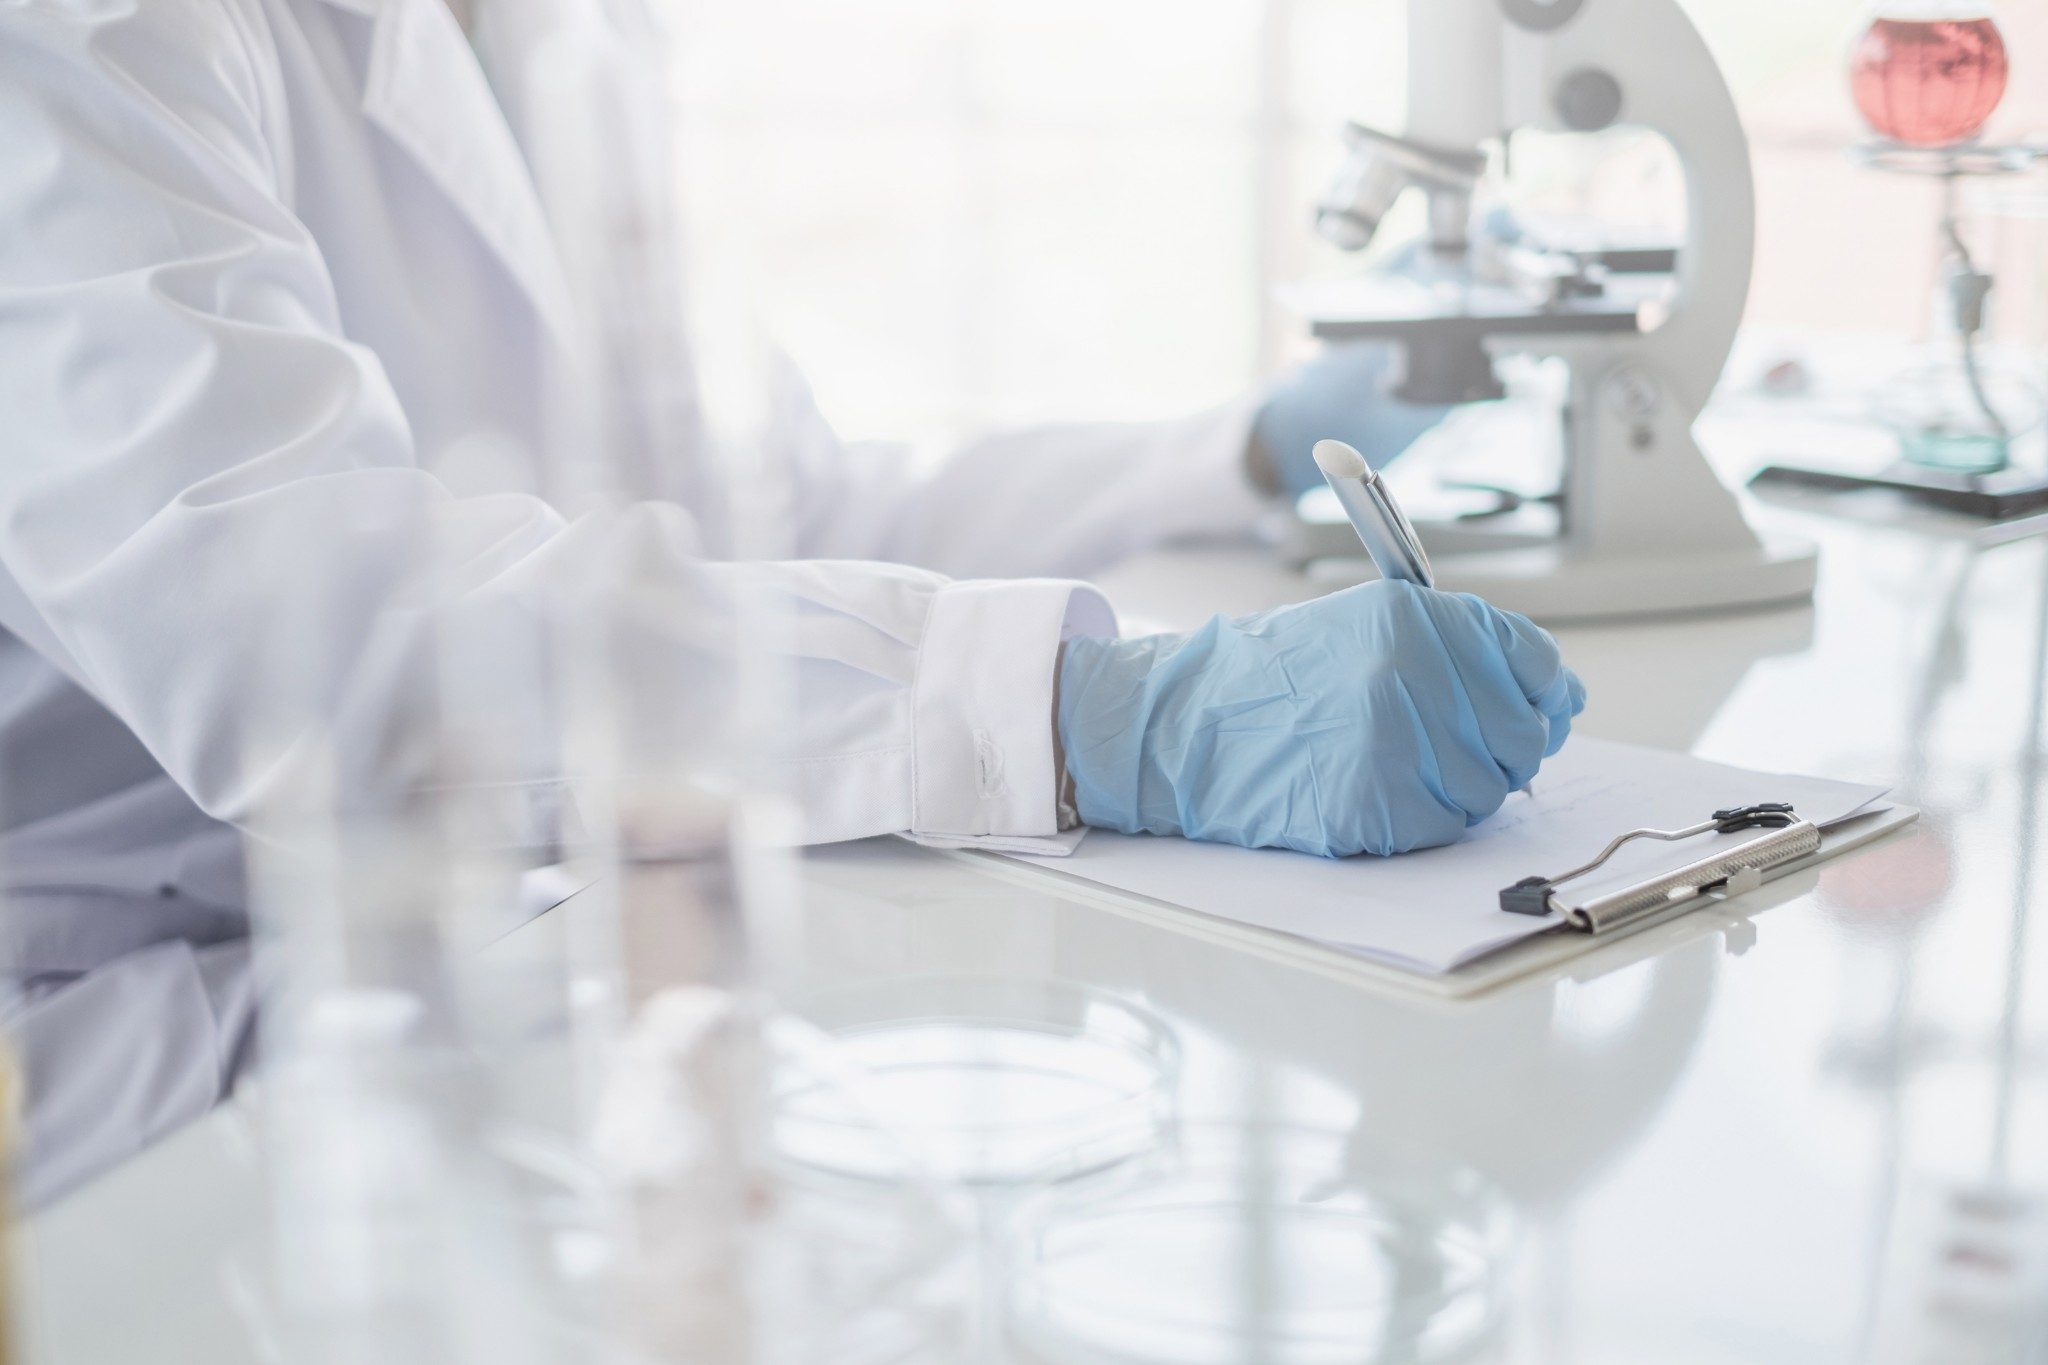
(1563, 949)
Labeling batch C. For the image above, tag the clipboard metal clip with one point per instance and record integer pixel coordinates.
(1738, 869)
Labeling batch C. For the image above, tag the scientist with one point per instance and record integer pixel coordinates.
(272, 271)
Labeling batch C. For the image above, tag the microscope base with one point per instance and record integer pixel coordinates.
(1550, 583)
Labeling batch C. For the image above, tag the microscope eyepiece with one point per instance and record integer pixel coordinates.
(1364, 188)
(1376, 169)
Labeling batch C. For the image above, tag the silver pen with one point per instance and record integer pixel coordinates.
(1373, 513)
(1369, 504)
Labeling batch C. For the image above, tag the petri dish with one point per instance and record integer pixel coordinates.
(980, 1081)
(1269, 1243)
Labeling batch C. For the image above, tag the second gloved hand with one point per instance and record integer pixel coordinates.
(1341, 391)
(1379, 719)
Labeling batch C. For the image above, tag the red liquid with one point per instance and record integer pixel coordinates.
(1928, 82)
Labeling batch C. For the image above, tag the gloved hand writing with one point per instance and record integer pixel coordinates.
(1375, 720)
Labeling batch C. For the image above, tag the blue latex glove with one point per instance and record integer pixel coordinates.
(1341, 392)
(1375, 720)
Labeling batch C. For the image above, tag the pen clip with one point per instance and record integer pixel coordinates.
(1404, 530)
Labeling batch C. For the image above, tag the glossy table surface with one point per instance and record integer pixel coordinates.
(1738, 1147)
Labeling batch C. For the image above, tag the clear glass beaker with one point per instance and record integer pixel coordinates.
(1963, 416)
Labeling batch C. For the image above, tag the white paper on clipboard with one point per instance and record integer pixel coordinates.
(1434, 913)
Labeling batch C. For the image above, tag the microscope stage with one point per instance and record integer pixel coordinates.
(1400, 309)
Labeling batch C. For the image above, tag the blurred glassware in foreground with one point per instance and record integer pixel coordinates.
(733, 1255)
(1928, 73)
(1280, 1244)
(542, 1147)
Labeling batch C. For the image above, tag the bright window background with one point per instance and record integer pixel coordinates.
(976, 212)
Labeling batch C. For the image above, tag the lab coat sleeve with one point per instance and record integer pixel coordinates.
(1060, 499)
(116, 1059)
(214, 518)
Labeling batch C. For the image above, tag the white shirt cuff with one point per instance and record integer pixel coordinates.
(982, 713)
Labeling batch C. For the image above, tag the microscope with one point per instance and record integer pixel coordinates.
(1639, 524)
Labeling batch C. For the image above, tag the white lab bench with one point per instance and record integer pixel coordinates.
(1715, 1147)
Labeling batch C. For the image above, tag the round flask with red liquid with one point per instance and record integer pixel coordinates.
(1928, 74)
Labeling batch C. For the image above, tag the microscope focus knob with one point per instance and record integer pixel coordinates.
(1632, 393)
(1587, 100)
(1632, 390)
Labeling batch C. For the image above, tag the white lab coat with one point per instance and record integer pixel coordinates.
(268, 269)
